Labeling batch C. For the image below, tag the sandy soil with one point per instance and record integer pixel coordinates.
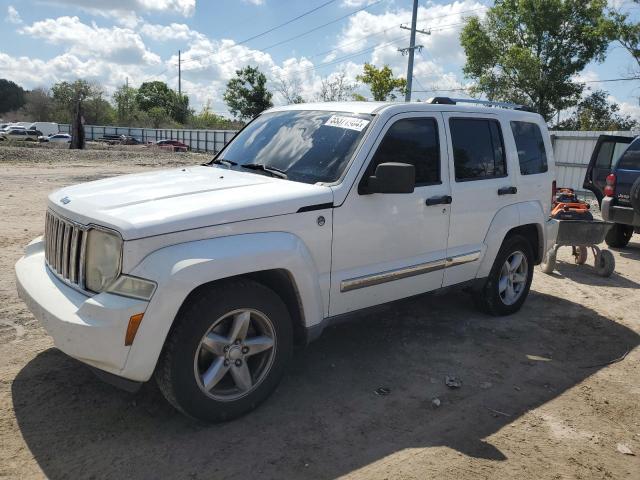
(537, 399)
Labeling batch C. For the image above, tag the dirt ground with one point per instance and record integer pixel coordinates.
(538, 398)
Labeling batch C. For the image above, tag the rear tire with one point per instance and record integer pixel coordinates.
(508, 283)
(619, 235)
(208, 375)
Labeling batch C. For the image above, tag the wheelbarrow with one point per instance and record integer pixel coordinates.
(582, 235)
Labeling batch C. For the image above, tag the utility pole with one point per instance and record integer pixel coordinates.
(179, 74)
(411, 49)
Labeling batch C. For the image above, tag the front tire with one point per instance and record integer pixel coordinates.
(227, 352)
(510, 278)
(619, 235)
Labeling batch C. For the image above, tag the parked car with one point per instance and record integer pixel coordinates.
(47, 128)
(613, 175)
(208, 275)
(60, 138)
(12, 126)
(20, 134)
(177, 145)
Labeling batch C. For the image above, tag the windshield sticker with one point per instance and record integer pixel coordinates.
(352, 123)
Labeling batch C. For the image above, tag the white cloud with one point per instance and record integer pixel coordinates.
(255, 2)
(13, 16)
(356, 3)
(174, 31)
(30, 73)
(119, 45)
(185, 8)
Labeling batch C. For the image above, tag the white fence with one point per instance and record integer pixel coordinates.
(572, 150)
(198, 140)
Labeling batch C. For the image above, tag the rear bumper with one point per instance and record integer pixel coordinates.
(617, 214)
(90, 329)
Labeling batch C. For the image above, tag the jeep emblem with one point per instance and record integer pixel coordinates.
(65, 200)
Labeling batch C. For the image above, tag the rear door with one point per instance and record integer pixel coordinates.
(606, 152)
(481, 184)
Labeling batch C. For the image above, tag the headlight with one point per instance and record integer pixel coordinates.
(102, 259)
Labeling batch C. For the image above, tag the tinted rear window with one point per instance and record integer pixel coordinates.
(630, 159)
(478, 149)
(530, 146)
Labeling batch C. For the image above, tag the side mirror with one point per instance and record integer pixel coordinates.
(392, 177)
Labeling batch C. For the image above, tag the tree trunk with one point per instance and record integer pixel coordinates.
(77, 129)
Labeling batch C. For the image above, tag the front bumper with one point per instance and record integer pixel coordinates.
(617, 214)
(90, 329)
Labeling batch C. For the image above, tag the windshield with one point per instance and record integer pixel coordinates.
(307, 146)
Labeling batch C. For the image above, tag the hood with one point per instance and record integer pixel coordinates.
(154, 203)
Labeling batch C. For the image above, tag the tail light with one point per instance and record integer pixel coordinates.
(554, 191)
(610, 188)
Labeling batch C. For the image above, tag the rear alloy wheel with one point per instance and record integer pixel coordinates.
(227, 352)
(508, 283)
(619, 235)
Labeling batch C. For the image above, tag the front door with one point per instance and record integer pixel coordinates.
(391, 246)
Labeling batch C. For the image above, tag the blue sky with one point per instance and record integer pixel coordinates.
(45, 41)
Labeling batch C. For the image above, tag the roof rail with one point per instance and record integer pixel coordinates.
(488, 103)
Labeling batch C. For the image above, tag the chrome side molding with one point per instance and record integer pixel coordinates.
(404, 272)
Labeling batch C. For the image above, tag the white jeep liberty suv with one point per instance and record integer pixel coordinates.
(206, 277)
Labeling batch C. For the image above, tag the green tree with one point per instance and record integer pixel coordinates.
(125, 101)
(12, 96)
(207, 119)
(66, 97)
(38, 105)
(98, 111)
(153, 95)
(528, 51)
(627, 33)
(247, 94)
(381, 82)
(594, 112)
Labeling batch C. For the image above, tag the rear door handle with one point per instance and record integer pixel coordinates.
(507, 191)
(440, 200)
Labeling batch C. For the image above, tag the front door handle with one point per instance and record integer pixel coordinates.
(507, 191)
(440, 200)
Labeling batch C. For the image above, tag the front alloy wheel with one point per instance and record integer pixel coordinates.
(227, 350)
(235, 355)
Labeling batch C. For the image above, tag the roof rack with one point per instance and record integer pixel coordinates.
(488, 103)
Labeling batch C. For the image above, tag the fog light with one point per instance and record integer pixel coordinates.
(132, 328)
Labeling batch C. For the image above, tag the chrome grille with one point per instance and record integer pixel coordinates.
(64, 248)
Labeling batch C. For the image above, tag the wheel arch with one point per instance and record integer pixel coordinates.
(526, 219)
(278, 260)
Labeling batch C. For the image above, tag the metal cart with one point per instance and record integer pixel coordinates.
(582, 235)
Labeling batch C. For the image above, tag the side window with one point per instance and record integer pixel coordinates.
(478, 149)
(530, 145)
(413, 141)
(630, 159)
(605, 155)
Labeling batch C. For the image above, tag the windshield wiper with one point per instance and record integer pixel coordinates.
(262, 167)
(222, 161)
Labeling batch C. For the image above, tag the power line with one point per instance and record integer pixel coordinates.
(287, 22)
(295, 37)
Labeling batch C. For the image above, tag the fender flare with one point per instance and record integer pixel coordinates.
(180, 269)
(505, 220)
